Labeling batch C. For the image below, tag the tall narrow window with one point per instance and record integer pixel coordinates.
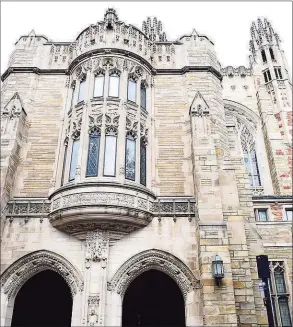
(261, 214)
(130, 156)
(114, 85)
(93, 154)
(264, 57)
(131, 90)
(279, 294)
(250, 159)
(142, 162)
(272, 54)
(64, 160)
(99, 86)
(73, 163)
(278, 72)
(143, 97)
(110, 152)
(288, 214)
(267, 76)
(81, 92)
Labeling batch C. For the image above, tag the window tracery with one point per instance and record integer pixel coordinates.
(279, 294)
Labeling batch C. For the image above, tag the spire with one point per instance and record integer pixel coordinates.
(32, 33)
(262, 33)
(153, 29)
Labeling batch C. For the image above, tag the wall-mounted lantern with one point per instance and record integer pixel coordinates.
(218, 269)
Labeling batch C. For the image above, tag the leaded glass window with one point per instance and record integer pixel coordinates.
(99, 86)
(143, 97)
(142, 162)
(110, 152)
(250, 159)
(81, 92)
(114, 85)
(93, 154)
(130, 154)
(131, 90)
(73, 163)
(279, 294)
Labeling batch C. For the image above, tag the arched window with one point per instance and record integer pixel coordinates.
(130, 156)
(143, 161)
(114, 84)
(143, 96)
(73, 162)
(93, 153)
(64, 160)
(250, 159)
(131, 90)
(81, 92)
(264, 57)
(99, 85)
(110, 151)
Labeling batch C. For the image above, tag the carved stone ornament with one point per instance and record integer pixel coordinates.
(131, 127)
(95, 123)
(29, 265)
(76, 127)
(154, 259)
(97, 247)
(144, 134)
(13, 108)
(112, 123)
(199, 107)
(93, 305)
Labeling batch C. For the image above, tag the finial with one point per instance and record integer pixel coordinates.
(110, 18)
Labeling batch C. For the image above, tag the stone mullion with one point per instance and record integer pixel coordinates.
(151, 157)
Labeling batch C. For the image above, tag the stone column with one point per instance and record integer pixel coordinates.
(96, 278)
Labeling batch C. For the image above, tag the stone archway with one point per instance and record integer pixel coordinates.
(16, 275)
(162, 261)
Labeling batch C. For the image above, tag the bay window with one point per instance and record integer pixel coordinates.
(131, 90)
(99, 85)
(110, 152)
(93, 154)
(74, 157)
(81, 92)
(130, 159)
(114, 80)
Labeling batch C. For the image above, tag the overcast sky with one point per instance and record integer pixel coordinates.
(227, 24)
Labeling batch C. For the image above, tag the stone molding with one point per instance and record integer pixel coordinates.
(154, 259)
(27, 266)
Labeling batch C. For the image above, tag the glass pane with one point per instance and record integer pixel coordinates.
(93, 155)
(143, 98)
(265, 76)
(269, 75)
(114, 86)
(130, 158)
(81, 93)
(262, 215)
(289, 214)
(274, 310)
(131, 92)
(99, 86)
(256, 181)
(272, 54)
(284, 312)
(280, 282)
(110, 156)
(142, 164)
(280, 73)
(73, 163)
(64, 164)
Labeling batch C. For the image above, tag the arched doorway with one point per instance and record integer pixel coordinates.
(44, 300)
(153, 299)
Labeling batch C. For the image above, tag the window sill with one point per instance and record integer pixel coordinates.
(281, 222)
(116, 99)
(97, 99)
(132, 104)
(81, 103)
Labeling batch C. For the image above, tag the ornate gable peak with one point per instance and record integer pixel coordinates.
(199, 107)
(110, 17)
(32, 33)
(14, 105)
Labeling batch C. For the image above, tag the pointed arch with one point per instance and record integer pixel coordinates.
(14, 277)
(154, 259)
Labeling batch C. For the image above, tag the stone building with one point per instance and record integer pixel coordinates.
(128, 163)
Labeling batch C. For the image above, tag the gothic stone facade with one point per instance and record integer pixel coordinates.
(123, 152)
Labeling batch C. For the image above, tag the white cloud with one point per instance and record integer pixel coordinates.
(227, 24)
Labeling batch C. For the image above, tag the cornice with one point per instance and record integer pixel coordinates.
(163, 71)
